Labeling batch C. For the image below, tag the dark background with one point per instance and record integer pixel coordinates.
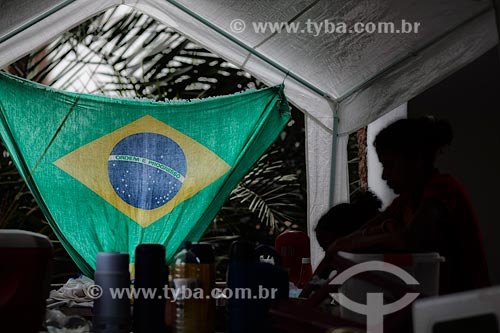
(470, 100)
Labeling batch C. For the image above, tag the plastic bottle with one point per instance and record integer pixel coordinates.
(185, 281)
(206, 307)
(305, 273)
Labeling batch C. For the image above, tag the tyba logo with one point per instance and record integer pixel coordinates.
(374, 309)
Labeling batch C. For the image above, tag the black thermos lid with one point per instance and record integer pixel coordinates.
(204, 251)
(242, 251)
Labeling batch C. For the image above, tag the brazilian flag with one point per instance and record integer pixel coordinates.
(112, 173)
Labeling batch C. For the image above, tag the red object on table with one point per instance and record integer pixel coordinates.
(25, 268)
(292, 247)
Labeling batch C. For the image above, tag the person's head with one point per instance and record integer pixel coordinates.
(408, 148)
(345, 218)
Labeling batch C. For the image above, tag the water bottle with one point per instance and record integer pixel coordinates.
(185, 280)
(205, 307)
(305, 273)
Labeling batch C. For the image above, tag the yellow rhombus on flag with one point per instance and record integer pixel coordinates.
(94, 163)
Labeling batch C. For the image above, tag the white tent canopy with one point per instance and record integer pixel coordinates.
(341, 81)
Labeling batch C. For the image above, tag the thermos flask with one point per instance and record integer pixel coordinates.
(111, 313)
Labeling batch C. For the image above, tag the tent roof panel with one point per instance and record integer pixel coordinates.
(16, 13)
(223, 12)
(340, 63)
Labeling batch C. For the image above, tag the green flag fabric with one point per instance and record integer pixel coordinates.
(112, 173)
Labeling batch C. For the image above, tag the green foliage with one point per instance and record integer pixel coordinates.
(272, 193)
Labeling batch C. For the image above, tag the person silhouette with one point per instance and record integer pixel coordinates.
(346, 218)
(432, 213)
(342, 220)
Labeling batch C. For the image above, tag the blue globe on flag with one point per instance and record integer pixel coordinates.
(147, 170)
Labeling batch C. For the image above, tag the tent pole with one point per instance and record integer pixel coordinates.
(333, 166)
